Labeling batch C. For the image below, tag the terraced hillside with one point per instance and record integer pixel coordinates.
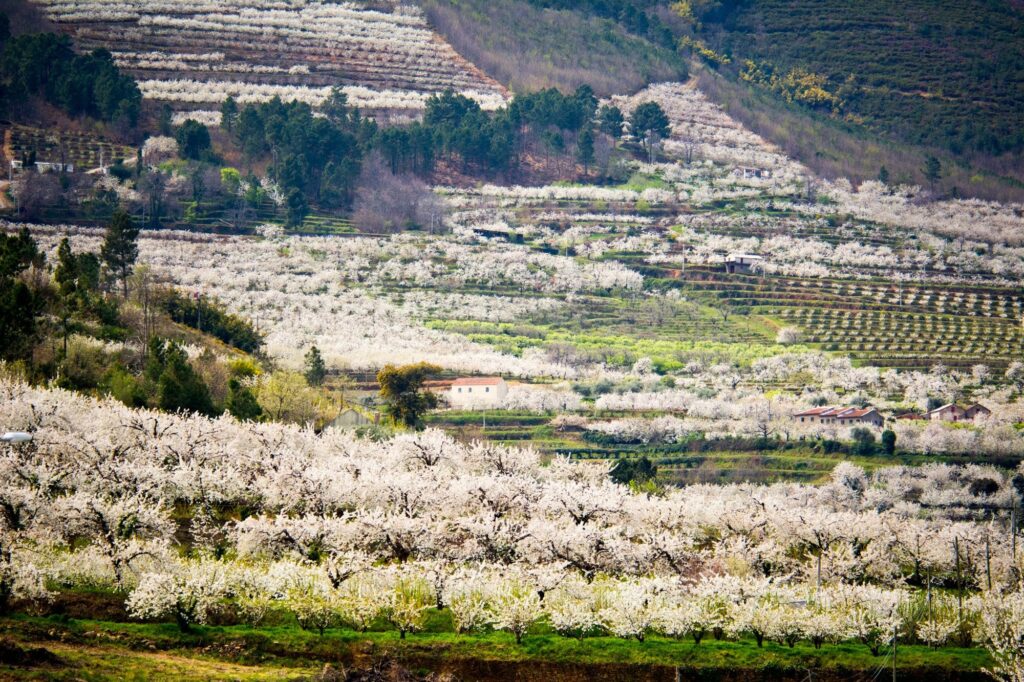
(84, 151)
(943, 74)
(194, 54)
(884, 323)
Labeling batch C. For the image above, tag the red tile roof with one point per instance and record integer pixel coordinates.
(837, 412)
(814, 412)
(478, 381)
(856, 413)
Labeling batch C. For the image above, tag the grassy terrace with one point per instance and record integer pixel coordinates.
(880, 323)
(118, 650)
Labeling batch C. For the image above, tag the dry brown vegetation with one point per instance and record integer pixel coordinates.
(528, 48)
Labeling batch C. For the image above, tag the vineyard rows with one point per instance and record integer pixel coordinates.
(84, 151)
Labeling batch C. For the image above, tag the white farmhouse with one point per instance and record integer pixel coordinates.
(477, 393)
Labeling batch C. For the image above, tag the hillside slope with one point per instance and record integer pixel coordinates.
(845, 87)
(943, 74)
(528, 47)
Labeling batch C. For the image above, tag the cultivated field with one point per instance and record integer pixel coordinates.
(194, 54)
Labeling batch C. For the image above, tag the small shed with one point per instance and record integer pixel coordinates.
(748, 172)
(742, 263)
(348, 419)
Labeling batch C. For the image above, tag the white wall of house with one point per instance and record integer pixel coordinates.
(476, 396)
(948, 413)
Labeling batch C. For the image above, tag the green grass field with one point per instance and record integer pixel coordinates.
(99, 650)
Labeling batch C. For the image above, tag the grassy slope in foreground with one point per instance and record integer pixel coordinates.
(139, 647)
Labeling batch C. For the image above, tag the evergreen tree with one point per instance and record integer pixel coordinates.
(587, 101)
(66, 277)
(176, 386)
(883, 175)
(316, 371)
(932, 170)
(296, 208)
(165, 123)
(585, 149)
(120, 248)
(649, 123)
(241, 403)
(889, 441)
(228, 114)
(193, 139)
(610, 121)
(19, 306)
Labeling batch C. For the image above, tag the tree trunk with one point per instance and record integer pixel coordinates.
(183, 624)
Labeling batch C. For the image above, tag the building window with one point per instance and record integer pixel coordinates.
(487, 390)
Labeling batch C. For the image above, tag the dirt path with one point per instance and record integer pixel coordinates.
(119, 663)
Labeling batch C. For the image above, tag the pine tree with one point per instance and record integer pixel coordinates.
(228, 114)
(932, 170)
(610, 121)
(585, 149)
(649, 123)
(241, 403)
(315, 368)
(120, 248)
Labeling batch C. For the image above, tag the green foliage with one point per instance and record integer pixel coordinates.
(930, 74)
(889, 441)
(19, 305)
(485, 142)
(45, 64)
(863, 441)
(649, 122)
(120, 247)
(124, 386)
(193, 139)
(210, 316)
(550, 108)
(316, 159)
(639, 471)
(316, 370)
(636, 16)
(241, 403)
(228, 114)
(585, 148)
(611, 121)
(401, 388)
(177, 386)
(932, 170)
